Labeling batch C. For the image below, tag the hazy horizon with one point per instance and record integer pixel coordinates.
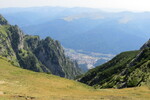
(109, 5)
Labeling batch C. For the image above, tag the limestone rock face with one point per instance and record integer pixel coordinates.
(33, 53)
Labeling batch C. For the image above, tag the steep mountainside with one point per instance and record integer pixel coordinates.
(128, 69)
(30, 52)
(146, 45)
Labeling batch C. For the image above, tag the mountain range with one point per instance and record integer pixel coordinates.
(91, 30)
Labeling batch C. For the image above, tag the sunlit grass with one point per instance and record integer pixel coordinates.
(20, 84)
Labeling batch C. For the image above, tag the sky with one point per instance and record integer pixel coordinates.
(130, 5)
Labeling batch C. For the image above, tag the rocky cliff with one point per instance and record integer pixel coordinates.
(33, 53)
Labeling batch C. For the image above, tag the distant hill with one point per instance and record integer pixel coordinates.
(128, 69)
(88, 29)
(31, 52)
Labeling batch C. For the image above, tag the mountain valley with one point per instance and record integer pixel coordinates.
(103, 55)
(87, 60)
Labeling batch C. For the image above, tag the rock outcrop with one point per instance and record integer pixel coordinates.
(33, 53)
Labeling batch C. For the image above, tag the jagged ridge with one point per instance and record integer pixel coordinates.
(33, 53)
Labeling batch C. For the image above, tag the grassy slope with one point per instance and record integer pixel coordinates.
(20, 84)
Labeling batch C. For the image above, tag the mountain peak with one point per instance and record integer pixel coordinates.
(3, 21)
(146, 45)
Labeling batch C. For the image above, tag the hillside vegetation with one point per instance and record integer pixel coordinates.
(128, 69)
(21, 84)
